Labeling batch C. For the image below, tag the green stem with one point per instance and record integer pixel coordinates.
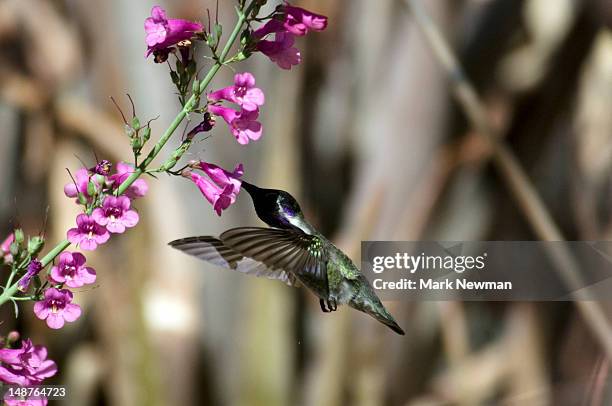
(8, 293)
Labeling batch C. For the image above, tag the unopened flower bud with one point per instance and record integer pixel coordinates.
(35, 245)
(13, 336)
(135, 123)
(19, 236)
(91, 188)
(207, 124)
(34, 268)
(5, 248)
(186, 173)
(82, 199)
(146, 134)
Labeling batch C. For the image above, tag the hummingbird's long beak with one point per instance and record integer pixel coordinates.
(251, 189)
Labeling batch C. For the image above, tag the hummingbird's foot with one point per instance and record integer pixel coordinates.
(323, 306)
(328, 306)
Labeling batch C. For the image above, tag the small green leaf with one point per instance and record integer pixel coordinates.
(15, 307)
(241, 56)
(175, 77)
(245, 37)
(191, 68)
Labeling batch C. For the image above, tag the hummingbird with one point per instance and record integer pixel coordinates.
(292, 251)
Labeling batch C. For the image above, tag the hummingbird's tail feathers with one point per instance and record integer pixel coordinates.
(212, 250)
(365, 300)
(392, 324)
(381, 314)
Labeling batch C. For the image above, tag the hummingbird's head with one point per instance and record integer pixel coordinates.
(276, 208)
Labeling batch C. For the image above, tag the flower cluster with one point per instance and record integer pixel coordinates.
(104, 212)
(287, 23)
(243, 123)
(27, 365)
(23, 366)
(222, 187)
(275, 39)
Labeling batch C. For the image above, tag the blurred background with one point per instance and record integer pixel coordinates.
(365, 133)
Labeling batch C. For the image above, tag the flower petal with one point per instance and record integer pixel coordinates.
(55, 321)
(72, 312)
(130, 218)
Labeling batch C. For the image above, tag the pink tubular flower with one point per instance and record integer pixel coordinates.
(222, 177)
(299, 21)
(272, 26)
(243, 124)
(5, 248)
(57, 308)
(27, 365)
(137, 189)
(83, 184)
(72, 271)
(288, 22)
(243, 93)
(87, 234)
(223, 189)
(162, 33)
(281, 50)
(115, 214)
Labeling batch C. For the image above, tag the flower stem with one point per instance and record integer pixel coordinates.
(8, 293)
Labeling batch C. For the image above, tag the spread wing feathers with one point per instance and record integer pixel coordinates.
(215, 252)
(291, 250)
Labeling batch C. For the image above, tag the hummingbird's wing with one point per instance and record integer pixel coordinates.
(291, 250)
(214, 251)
